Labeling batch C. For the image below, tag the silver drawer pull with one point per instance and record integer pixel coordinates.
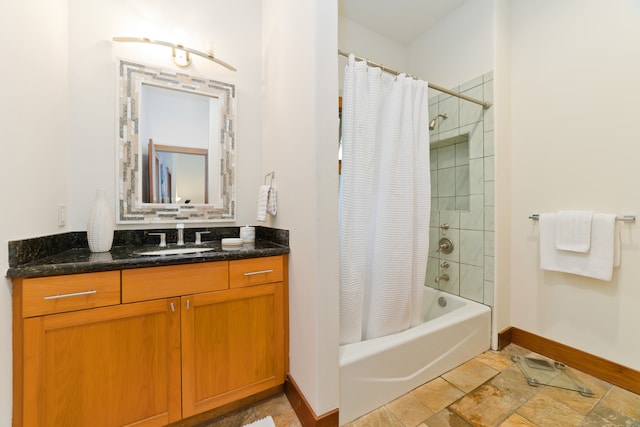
(74, 294)
(253, 273)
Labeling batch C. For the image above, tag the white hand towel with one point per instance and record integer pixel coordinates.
(263, 196)
(272, 202)
(264, 422)
(598, 263)
(573, 231)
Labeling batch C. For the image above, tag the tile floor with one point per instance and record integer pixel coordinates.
(277, 406)
(489, 390)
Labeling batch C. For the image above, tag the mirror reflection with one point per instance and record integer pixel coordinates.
(183, 132)
(175, 146)
(175, 174)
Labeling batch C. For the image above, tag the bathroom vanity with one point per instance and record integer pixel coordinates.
(127, 339)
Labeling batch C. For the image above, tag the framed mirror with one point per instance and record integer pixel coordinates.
(175, 146)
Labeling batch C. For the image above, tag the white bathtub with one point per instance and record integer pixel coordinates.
(377, 371)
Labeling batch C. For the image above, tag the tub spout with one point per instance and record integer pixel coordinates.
(444, 277)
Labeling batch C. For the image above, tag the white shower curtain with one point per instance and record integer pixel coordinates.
(385, 202)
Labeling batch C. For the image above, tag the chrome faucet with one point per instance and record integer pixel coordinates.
(180, 228)
(444, 277)
(163, 238)
(199, 236)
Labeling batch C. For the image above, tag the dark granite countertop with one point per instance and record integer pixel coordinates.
(68, 253)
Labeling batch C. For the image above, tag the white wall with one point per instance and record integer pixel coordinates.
(300, 134)
(460, 47)
(363, 42)
(575, 145)
(234, 28)
(501, 315)
(457, 49)
(33, 146)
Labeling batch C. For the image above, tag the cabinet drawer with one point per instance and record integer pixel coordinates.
(255, 271)
(57, 294)
(141, 284)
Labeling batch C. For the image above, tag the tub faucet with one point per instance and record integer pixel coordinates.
(180, 228)
(444, 277)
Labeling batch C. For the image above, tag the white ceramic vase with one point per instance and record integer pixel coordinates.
(100, 224)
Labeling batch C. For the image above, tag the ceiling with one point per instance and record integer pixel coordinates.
(400, 20)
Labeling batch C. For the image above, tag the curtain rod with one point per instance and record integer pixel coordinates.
(485, 105)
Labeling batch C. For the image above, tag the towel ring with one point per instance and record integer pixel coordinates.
(272, 174)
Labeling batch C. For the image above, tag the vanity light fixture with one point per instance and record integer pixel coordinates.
(181, 54)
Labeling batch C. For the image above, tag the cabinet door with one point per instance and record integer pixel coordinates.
(113, 366)
(232, 345)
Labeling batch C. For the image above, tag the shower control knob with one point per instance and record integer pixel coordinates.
(446, 245)
(445, 226)
(444, 264)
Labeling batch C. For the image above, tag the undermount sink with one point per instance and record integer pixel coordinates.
(174, 251)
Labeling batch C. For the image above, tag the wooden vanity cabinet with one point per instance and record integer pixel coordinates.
(161, 354)
(232, 345)
(114, 365)
(142, 284)
(233, 342)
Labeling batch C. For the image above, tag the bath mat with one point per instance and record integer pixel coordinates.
(264, 422)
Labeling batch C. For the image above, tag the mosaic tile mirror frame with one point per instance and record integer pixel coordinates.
(131, 209)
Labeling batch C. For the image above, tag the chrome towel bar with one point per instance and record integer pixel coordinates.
(625, 218)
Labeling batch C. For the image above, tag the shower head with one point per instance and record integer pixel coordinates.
(432, 124)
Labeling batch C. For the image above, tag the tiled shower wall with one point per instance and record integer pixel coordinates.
(471, 264)
(450, 174)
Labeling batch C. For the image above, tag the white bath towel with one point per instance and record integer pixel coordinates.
(617, 250)
(597, 263)
(573, 231)
(263, 197)
(272, 202)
